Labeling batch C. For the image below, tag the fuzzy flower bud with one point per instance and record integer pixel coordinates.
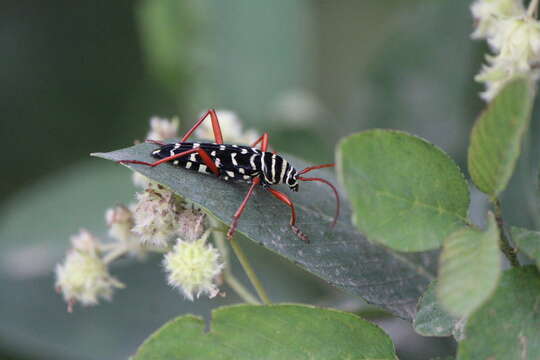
(162, 129)
(487, 14)
(191, 225)
(84, 277)
(140, 180)
(518, 40)
(518, 43)
(120, 222)
(193, 266)
(157, 215)
(231, 129)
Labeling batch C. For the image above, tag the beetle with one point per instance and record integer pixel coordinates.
(237, 163)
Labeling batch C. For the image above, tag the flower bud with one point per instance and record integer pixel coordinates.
(487, 14)
(84, 277)
(156, 215)
(193, 267)
(162, 129)
(120, 222)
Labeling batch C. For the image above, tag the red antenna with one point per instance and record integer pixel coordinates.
(311, 168)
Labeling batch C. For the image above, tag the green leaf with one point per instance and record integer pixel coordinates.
(507, 326)
(469, 268)
(269, 332)
(407, 194)
(432, 319)
(497, 136)
(527, 241)
(339, 255)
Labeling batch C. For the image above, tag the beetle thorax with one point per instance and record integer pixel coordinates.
(276, 170)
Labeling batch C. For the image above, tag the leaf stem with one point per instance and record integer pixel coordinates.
(532, 10)
(114, 254)
(504, 244)
(249, 271)
(228, 277)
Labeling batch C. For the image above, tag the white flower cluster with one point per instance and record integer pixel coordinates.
(120, 221)
(156, 215)
(193, 267)
(84, 277)
(514, 37)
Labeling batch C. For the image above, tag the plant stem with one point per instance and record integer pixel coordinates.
(506, 248)
(228, 277)
(532, 10)
(237, 286)
(249, 271)
(114, 254)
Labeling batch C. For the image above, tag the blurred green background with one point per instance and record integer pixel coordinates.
(78, 77)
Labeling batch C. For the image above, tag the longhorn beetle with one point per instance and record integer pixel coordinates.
(237, 163)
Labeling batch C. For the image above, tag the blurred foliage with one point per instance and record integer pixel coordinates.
(86, 76)
(72, 80)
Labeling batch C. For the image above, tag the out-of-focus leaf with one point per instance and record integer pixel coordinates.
(269, 332)
(339, 255)
(407, 194)
(431, 318)
(469, 268)
(527, 241)
(171, 36)
(497, 136)
(507, 326)
(46, 214)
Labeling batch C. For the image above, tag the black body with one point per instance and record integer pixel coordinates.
(235, 162)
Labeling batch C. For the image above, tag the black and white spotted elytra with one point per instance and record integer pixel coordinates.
(235, 162)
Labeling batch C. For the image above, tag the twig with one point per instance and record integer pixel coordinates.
(228, 277)
(506, 248)
(114, 254)
(249, 271)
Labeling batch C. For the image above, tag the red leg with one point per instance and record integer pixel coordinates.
(203, 154)
(284, 198)
(236, 217)
(240, 210)
(263, 140)
(215, 126)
